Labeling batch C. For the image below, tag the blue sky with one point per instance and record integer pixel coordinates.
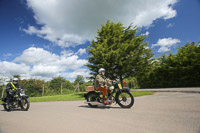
(45, 39)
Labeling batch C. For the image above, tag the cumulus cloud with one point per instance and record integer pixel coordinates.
(72, 75)
(34, 56)
(10, 68)
(39, 63)
(72, 22)
(165, 44)
(81, 51)
(146, 34)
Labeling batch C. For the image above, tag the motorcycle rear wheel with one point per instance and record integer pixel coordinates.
(91, 97)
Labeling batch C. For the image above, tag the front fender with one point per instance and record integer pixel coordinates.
(24, 96)
(125, 89)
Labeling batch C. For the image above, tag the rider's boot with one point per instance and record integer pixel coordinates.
(105, 100)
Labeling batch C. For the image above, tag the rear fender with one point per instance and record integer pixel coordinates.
(90, 92)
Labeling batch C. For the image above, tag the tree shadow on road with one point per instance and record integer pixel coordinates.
(11, 110)
(100, 107)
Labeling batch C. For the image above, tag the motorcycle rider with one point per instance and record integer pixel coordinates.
(100, 84)
(11, 89)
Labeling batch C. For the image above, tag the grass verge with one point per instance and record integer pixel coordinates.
(77, 96)
(141, 93)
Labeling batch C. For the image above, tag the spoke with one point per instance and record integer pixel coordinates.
(125, 99)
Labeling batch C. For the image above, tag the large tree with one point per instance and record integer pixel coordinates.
(119, 50)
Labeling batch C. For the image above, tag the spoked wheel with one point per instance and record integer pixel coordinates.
(125, 99)
(6, 107)
(92, 97)
(25, 104)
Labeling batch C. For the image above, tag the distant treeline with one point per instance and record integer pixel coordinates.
(175, 70)
(56, 86)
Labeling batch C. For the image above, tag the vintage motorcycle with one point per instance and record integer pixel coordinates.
(117, 94)
(19, 100)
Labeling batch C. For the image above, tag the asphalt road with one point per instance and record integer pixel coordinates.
(168, 112)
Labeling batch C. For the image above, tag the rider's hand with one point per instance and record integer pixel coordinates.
(12, 92)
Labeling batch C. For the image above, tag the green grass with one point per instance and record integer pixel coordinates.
(141, 93)
(76, 96)
(68, 97)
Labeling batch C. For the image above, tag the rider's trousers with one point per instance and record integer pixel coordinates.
(104, 89)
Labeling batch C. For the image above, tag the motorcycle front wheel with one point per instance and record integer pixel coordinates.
(6, 107)
(25, 104)
(125, 99)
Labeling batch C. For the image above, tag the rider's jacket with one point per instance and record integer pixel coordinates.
(100, 81)
(11, 86)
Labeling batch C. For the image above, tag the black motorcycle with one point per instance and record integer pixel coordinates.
(19, 100)
(117, 94)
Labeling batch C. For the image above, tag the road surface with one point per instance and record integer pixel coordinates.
(169, 112)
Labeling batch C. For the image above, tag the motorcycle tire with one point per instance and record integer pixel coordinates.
(6, 107)
(92, 97)
(124, 97)
(25, 101)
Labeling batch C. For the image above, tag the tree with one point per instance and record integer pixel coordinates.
(56, 83)
(178, 70)
(120, 51)
(33, 86)
(79, 79)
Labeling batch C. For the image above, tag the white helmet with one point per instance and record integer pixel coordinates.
(15, 80)
(101, 70)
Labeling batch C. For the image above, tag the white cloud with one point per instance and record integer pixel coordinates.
(81, 51)
(33, 56)
(39, 63)
(10, 68)
(67, 53)
(72, 75)
(146, 34)
(165, 44)
(72, 22)
(170, 25)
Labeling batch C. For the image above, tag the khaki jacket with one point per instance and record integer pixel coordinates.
(100, 80)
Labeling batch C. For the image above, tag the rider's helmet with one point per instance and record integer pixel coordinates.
(15, 81)
(101, 70)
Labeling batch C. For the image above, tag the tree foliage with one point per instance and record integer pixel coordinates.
(120, 51)
(55, 84)
(33, 86)
(178, 70)
(79, 79)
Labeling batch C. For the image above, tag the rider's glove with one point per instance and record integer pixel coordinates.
(11, 92)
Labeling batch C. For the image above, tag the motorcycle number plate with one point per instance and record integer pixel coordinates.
(120, 86)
